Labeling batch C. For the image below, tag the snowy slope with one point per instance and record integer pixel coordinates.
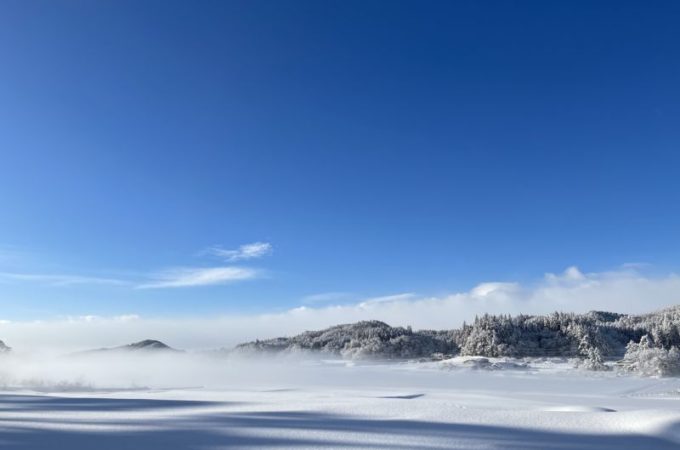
(340, 405)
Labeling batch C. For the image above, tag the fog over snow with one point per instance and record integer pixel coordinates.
(183, 401)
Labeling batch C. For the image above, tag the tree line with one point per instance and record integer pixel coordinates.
(646, 343)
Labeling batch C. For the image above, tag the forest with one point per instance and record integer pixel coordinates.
(647, 344)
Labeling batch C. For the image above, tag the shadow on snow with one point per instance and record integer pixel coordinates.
(208, 430)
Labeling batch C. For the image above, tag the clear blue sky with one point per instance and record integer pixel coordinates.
(378, 147)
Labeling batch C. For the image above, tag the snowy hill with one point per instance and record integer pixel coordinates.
(147, 345)
(592, 336)
(364, 339)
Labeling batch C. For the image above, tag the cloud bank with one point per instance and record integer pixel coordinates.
(625, 290)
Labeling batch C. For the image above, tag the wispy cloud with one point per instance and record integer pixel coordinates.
(58, 279)
(168, 278)
(347, 297)
(202, 276)
(390, 298)
(95, 318)
(246, 251)
(326, 297)
(9, 254)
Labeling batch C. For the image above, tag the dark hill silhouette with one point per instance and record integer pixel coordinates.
(147, 345)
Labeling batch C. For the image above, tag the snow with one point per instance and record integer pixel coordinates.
(546, 404)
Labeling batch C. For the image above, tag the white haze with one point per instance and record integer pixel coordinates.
(154, 370)
(625, 290)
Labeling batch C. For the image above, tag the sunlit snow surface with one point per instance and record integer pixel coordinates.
(134, 403)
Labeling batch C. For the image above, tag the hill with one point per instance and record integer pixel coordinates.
(593, 336)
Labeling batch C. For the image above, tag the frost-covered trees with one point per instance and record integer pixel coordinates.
(647, 359)
(369, 339)
(593, 360)
(592, 337)
(557, 334)
(591, 354)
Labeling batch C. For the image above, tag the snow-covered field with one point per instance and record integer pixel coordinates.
(332, 404)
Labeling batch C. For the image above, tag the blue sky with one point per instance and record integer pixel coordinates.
(367, 149)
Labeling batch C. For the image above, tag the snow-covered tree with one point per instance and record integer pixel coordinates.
(647, 359)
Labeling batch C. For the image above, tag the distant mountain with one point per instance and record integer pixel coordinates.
(4, 348)
(147, 345)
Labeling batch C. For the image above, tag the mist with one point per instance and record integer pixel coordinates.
(150, 370)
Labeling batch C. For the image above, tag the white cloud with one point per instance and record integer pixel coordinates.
(570, 274)
(247, 251)
(494, 288)
(326, 297)
(621, 291)
(58, 279)
(389, 298)
(95, 318)
(192, 276)
(170, 278)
